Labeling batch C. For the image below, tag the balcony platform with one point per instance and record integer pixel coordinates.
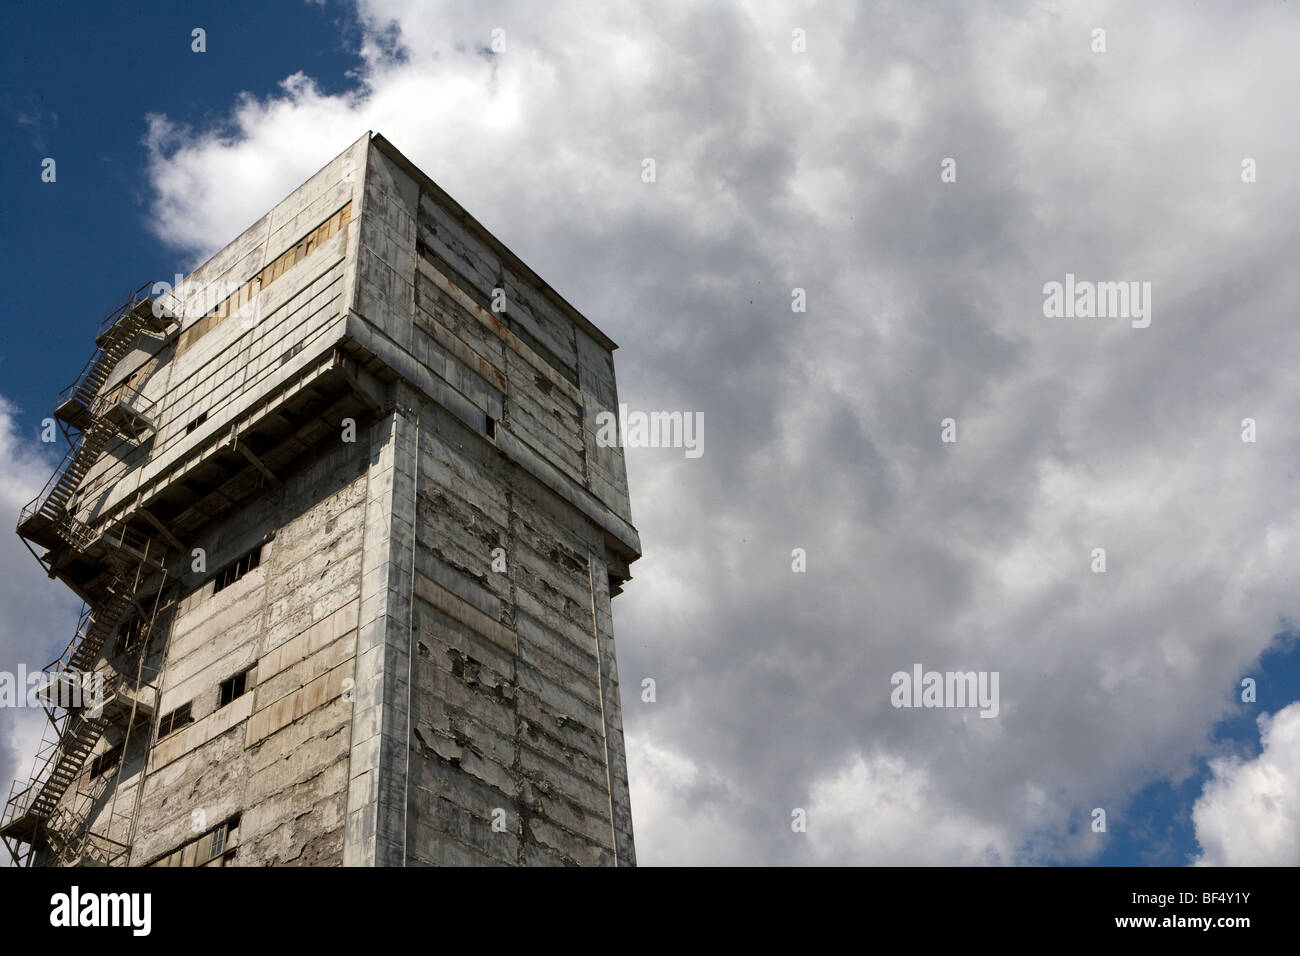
(72, 412)
(117, 707)
(26, 827)
(39, 529)
(129, 420)
(221, 473)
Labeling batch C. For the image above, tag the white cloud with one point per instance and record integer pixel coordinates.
(683, 816)
(881, 811)
(1248, 814)
(39, 615)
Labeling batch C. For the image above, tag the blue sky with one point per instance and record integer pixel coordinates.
(1157, 830)
(820, 171)
(78, 82)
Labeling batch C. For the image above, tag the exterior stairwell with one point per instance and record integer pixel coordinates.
(38, 810)
(47, 520)
(33, 815)
(79, 739)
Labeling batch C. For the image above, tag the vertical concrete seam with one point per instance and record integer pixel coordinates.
(517, 764)
(356, 650)
(410, 635)
(600, 690)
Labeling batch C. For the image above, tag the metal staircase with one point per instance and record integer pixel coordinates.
(37, 817)
(47, 519)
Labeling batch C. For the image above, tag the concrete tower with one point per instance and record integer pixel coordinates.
(347, 544)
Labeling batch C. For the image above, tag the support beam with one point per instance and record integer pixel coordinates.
(256, 462)
(162, 529)
(354, 382)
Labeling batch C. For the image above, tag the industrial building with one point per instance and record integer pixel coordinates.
(347, 543)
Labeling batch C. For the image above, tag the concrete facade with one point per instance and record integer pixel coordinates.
(391, 541)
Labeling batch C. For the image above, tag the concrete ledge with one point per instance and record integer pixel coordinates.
(200, 732)
(460, 610)
(300, 647)
(292, 706)
(498, 328)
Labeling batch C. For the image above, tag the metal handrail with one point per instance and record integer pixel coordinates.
(77, 533)
(67, 392)
(110, 319)
(135, 398)
(15, 805)
(115, 315)
(84, 621)
(22, 794)
(35, 504)
(122, 536)
(23, 800)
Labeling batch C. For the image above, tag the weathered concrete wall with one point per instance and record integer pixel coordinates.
(427, 304)
(513, 712)
(427, 635)
(290, 324)
(489, 689)
(283, 760)
(278, 755)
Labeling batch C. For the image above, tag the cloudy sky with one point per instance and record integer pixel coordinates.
(921, 171)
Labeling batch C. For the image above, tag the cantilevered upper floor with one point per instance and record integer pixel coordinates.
(202, 395)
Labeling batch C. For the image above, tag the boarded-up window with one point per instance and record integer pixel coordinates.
(274, 270)
(214, 848)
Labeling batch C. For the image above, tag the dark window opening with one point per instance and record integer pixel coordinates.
(106, 761)
(130, 635)
(490, 426)
(133, 631)
(233, 687)
(236, 570)
(203, 417)
(174, 721)
(291, 353)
